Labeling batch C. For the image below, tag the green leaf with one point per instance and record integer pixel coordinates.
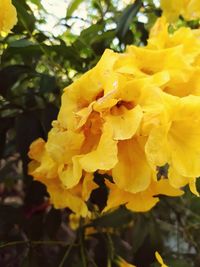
(117, 218)
(139, 232)
(178, 262)
(21, 43)
(10, 75)
(73, 5)
(37, 3)
(26, 18)
(27, 53)
(47, 83)
(127, 17)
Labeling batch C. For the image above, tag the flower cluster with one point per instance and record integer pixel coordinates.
(188, 9)
(8, 16)
(131, 116)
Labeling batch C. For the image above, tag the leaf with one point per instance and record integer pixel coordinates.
(21, 43)
(5, 124)
(178, 263)
(27, 53)
(102, 41)
(10, 75)
(117, 218)
(26, 19)
(140, 232)
(73, 5)
(47, 84)
(37, 3)
(127, 17)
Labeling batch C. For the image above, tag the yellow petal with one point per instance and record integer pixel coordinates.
(62, 198)
(47, 168)
(71, 174)
(125, 125)
(185, 146)
(139, 202)
(192, 11)
(104, 157)
(160, 260)
(175, 179)
(163, 187)
(108, 79)
(192, 186)
(8, 16)
(106, 102)
(116, 196)
(88, 186)
(132, 172)
(63, 145)
(122, 263)
(74, 221)
(36, 149)
(159, 34)
(157, 148)
(76, 97)
(83, 114)
(142, 202)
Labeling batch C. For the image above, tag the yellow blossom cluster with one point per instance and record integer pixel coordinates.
(188, 9)
(133, 113)
(8, 16)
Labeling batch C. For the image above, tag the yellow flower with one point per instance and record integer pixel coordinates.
(142, 201)
(184, 75)
(88, 88)
(45, 169)
(179, 143)
(160, 260)
(74, 221)
(43, 165)
(189, 9)
(130, 114)
(132, 172)
(122, 263)
(8, 16)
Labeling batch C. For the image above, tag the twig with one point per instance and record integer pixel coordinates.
(40, 242)
(66, 255)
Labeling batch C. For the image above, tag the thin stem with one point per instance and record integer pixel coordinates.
(40, 242)
(66, 255)
(14, 243)
(93, 262)
(82, 249)
(110, 247)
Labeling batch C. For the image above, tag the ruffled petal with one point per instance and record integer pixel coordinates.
(132, 172)
(104, 157)
(125, 125)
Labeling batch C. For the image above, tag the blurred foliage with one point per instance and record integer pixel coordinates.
(35, 67)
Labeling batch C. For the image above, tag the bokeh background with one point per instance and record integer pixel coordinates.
(54, 42)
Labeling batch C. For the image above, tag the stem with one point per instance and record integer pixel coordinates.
(110, 247)
(41, 242)
(82, 249)
(66, 255)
